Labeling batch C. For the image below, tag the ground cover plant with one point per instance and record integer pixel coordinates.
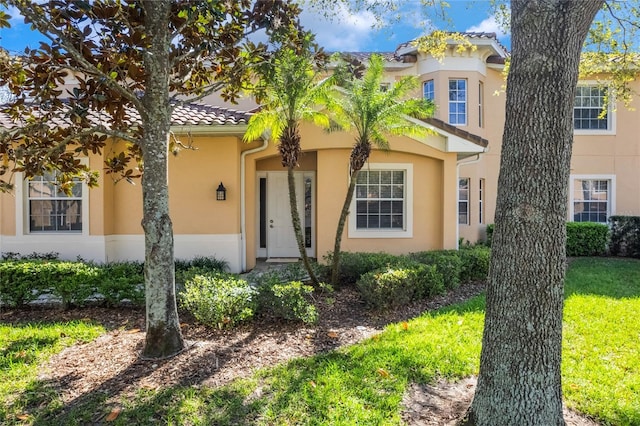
(365, 383)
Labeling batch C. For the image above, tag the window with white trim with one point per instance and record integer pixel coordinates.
(51, 210)
(382, 206)
(429, 90)
(463, 201)
(591, 199)
(458, 102)
(480, 104)
(590, 111)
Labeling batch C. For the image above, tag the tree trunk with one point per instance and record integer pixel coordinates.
(163, 337)
(335, 259)
(519, 381)
(297, 227)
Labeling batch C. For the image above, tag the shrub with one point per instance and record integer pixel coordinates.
(353, 265)
(120, 281)
(387, 287)
(475, 263)
(447, 263)
(222, 300)
(21, 282)
(72, 282)
(586, 238)
(625, 236)
(490, 229)
(426, 281)
(202, 262)
(288, 300)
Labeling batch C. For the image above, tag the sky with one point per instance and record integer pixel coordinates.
(347, 32)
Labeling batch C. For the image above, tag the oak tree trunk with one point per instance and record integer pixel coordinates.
(519, 381)
(163, 335)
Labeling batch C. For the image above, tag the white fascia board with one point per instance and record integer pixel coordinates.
(449, 141)
(233, 130)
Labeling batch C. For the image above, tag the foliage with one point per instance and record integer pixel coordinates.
(353, 265)
(586, 238)
(221, 300)
(203, 262)
(625, 236)
(490, 229)
(447, 262)
(475, 262)
(120, 281)
(287, 300)
(72, 282)
(374, 113)
(21, 282)
(396, 286)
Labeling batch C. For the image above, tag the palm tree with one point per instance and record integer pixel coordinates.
(289, 91)
(374, 113)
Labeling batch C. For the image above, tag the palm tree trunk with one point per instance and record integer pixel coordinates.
(297, 227)
(335, 259)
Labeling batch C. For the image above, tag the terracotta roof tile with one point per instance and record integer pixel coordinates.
(183, 115)
(480, 141)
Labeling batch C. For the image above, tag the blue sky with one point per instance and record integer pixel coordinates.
(349, 31)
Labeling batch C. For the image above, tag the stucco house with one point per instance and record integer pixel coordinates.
(425, 193)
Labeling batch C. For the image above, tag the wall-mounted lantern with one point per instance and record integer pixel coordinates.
(221, 192)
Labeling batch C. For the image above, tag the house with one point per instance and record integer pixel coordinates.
(425, 193)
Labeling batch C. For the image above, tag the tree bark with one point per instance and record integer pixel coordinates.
(163, 335)
(335, 259)
(519, 381)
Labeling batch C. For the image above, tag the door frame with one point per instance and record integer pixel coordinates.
(262, 252)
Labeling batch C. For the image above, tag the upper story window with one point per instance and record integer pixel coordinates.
(384, 87)
(429, 90)
(458, 102)
(589, 109)
(50, 210)
(480, 104)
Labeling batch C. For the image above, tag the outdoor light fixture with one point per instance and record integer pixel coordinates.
(221, 192)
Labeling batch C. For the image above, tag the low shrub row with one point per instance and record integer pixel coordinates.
(24, 279)
(386, 281)
(624, 239)
(224, 300)
(583, 238)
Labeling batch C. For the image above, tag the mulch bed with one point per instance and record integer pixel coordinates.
(111, 363)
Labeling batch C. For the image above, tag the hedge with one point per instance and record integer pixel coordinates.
(625, 236)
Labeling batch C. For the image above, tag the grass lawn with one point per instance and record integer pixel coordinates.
(364, 384)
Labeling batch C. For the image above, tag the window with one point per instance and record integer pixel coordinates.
(463, 201)
(480, 104)
(384, 87)
(458, 102)
(481, 201)
(380, 199)
(50, 210)
(428, 90)
(382, 206)
(589, 111)
(591, 198)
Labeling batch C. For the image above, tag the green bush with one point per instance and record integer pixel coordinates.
(625, 236)
(120, 281)
(72, 282)
(353, 265)
(490, 229)
(426, 281)
(222, 300)
(586, 238)
(21, 282)
(447, 263)
(387, 287)
(289, 300)
(202, 262)
(475, 263)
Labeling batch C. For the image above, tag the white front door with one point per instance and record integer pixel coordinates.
(281, 239)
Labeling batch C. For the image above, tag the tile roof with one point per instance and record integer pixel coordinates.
(183, 115)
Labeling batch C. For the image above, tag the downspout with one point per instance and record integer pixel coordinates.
(458, 164)
(243, 207)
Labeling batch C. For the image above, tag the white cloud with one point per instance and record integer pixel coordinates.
(347, 31)
(489, 25)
